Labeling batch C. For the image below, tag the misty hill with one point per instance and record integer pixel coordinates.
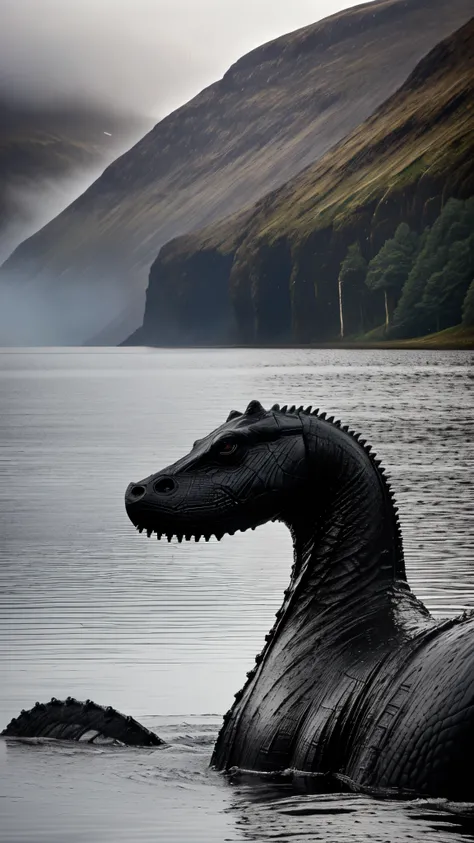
(271, 273)
(49, 155)
(275, 111)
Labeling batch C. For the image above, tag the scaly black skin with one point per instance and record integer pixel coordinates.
(72, 719)
(355, 676)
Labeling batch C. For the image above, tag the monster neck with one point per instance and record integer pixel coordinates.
(348, 553)
(348, 606)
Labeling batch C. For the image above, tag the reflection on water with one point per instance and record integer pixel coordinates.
(357, 819)
(59, 793)
(92, 609)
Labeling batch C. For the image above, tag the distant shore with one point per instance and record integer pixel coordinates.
(452, 339)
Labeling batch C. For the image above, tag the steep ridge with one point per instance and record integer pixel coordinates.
(49, 154)
(270, 273)
(275, 111)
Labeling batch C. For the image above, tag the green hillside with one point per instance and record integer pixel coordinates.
(272, 273)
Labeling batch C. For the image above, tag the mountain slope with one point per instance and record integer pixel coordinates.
(275, 111)
(49, 155)
(270, 273)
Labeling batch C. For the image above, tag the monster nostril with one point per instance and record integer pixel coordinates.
(136, 492)
(164, 485)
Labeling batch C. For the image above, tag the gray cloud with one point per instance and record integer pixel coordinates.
(147, 56)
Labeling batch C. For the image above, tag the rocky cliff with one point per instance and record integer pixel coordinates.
(270, 274)
(275, 111)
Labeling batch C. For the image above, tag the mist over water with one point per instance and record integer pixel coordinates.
(166, 632)
(28, 316)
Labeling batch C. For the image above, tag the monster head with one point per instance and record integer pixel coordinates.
(246, 472)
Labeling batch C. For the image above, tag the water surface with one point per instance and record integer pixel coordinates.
(166, 632)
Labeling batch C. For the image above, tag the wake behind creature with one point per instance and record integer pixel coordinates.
(356, 678)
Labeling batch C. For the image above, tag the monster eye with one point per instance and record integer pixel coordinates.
(227, 448)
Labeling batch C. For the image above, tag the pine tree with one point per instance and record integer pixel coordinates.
(351, 281)
(441, 305)
(389, 269)
(433, 256)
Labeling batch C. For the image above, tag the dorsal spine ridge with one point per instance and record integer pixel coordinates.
(376, 462)
(308, 411)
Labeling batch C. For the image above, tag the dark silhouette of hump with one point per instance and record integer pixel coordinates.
(74, 720)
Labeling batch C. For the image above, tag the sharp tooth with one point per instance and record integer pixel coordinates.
(158, 536)
(197, 537)
(169, 536)
(140, 529)
(179, 537)
(219, 536)
(149, 532)
(207, 538)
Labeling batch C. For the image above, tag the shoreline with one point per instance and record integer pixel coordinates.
(374, 346)
(457, 338)
(396, 345)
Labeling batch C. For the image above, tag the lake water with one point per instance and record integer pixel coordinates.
(166, 632)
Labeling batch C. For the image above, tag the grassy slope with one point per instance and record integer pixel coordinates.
(458, 336)
(425, 129)
(415, 149)
(275, 111)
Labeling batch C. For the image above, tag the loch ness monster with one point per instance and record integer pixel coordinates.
(355, 678)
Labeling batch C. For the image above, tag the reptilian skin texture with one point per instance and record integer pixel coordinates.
(71, 719)
(355, 677)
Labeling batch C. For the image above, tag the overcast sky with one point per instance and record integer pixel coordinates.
(145, 55)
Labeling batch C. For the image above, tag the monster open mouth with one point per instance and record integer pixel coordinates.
(187, 537)
(150, 507)
(191, 536)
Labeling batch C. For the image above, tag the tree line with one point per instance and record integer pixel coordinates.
(424, 282)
